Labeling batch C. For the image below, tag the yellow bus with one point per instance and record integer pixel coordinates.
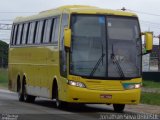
(78, 54)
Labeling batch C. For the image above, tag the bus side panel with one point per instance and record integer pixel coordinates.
(38, 64)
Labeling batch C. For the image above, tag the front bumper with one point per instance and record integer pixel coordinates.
(84, 95)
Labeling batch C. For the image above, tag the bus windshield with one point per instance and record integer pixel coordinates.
(105, 46)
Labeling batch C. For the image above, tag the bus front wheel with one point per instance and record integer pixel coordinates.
(118, 107)
(59, 104)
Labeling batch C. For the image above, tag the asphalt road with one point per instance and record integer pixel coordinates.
(44, 109)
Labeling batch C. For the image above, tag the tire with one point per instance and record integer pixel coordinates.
(20, 92)
(118, 107)
(20, 97)
(28, 98)
(59, 104)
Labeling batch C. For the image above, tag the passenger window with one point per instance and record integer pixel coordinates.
(42, 34)
(12, 34)
(47, 31)
(34, 36)
(55, 31)
(39, 32)
(25, 33)
(19, 34)
(31, 35)
(15, 35)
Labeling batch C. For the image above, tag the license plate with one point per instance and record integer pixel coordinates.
(106, 96)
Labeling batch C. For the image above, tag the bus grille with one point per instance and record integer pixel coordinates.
(94, 86)
(103, 86)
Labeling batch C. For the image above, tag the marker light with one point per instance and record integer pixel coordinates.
(76, 84)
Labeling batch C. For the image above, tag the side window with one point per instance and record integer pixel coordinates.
(19, 34)
(39, 32)
(15, 35)
(25, 33)
(34, 36)
(12, 35)
(63, 60)
(55, 31)
(43, 27)
(47, 31)
(31, 35)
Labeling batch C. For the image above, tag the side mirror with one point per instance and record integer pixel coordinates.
(67, 37)
(148, 41)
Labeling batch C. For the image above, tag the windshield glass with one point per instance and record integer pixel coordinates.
(104, 46)
(124, 42)
(88, 45)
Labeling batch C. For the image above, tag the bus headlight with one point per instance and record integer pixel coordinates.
(76, 84)
(132, 85)
(138, 85)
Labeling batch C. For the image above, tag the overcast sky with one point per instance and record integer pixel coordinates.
(147, 10)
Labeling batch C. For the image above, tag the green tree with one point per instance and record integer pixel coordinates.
(3, 54)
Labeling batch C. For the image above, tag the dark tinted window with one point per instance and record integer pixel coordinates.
(47, 31)
(12, 36)
(39, 32)
(15, 34)
(42, 35)
(35, 29)
(25, 33)
(63, 61)
(55, 31)
(19, 34)
(31, 32)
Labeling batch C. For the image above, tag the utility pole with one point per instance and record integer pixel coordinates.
(159, 53)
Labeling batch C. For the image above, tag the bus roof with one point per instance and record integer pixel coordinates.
(73, 9)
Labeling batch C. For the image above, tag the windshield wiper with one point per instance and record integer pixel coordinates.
(97, 64)
(99, 61)
(115, 61)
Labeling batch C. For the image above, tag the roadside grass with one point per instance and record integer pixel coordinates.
(151, 84)
(3, 78)
(150, 98)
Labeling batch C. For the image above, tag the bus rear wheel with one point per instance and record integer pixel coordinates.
(118, 107)
(20, 92)
(28, 98)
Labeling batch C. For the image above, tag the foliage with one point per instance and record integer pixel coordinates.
(3, 78)
(150, 98)
(3, 54)
(151, 84)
